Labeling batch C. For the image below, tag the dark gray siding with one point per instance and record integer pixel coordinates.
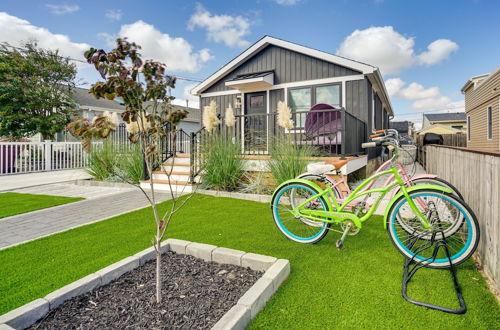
(356, 103)
(222, 101)
(288, 66)
(275, 96)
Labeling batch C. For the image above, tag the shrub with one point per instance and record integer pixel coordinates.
(116, 163)
(102, 161)
(288, 160)
(220, 162)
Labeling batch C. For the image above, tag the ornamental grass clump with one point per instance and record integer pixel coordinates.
(288, 160)
(221, 163)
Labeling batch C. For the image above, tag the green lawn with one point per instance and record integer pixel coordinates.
(359, 287)
(15, 203)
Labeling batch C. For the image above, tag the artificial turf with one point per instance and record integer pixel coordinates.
(16, 203)
(358, 287)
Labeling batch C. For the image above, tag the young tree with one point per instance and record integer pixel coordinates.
(35, 91)
(149, 117)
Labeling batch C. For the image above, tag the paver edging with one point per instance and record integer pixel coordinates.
(237, 195)
(238, 317)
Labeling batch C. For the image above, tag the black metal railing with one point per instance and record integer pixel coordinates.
(331, 132)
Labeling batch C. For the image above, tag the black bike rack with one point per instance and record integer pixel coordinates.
(411, 267)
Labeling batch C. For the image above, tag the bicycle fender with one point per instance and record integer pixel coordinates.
(306, 182)
(410, 189)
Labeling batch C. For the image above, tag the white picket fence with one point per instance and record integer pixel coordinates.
(28, 157)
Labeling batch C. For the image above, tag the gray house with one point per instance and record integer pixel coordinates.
(274, 70)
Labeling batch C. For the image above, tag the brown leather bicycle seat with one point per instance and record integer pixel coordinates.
(338, 164)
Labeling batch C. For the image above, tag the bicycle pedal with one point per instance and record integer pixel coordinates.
(339, 244)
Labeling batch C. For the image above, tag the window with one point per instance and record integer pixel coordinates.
(328, 94)
(257, 101)
(468, 128)
(489, 116)
(459, 127)
(302, 99)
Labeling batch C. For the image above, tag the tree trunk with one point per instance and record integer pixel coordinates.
(158, 270)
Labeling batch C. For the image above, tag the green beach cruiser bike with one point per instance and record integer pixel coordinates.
(418, 218)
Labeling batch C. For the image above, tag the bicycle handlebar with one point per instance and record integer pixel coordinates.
(367, 145)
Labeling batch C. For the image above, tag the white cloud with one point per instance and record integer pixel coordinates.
(229, 30)
(431, 103)
(437, 51)
(114, 14)
(16, 32)
(194, 101)
(380, 46)
(416, 91)
(423, 98)
(62, 9)
(393, 86)
(391, 51)
(176, 53)
(287, 2)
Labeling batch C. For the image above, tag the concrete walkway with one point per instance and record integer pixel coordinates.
(29, 226)
(73, 190)
(18, 181)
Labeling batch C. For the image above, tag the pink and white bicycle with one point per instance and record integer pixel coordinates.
(323, 173)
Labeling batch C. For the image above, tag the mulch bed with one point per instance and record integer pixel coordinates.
(196, 294)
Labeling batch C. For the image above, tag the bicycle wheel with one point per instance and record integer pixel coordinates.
(438, 182)
(290, 224)
(451, 220)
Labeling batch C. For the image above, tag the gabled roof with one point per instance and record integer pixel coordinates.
(84, 99)
(482, 78)
(373, 72)
(443, 117)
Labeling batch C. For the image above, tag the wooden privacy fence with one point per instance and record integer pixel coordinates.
(477, 175)
(28, 157)
(454, 140)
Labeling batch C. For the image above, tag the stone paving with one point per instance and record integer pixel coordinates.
(17, 181)
(73, 190)
(29, 226)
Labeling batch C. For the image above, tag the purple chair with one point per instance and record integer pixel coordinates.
(323, 127)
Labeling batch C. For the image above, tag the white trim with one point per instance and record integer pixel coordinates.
(221, 93)
(242, 124)
(267, 40)
(302, 83)
(269, 79)
(469, 131)
(268, 111)
(488, 118)
(343, 95)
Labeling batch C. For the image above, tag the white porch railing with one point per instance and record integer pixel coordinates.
(28, 157)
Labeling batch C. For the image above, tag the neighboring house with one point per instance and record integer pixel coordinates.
(273, 70)
(482, 106)
(89, 107)
(444, 123)
(404, 128)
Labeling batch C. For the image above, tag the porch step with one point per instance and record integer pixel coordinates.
(178, 161)
(174, 176)
(163, 185)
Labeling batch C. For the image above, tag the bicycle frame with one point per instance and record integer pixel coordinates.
(340, 215)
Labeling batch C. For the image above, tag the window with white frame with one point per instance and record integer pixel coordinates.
(489, 115)
(468, 128)
(303, 98)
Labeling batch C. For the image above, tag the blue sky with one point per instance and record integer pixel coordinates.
(425, 49)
